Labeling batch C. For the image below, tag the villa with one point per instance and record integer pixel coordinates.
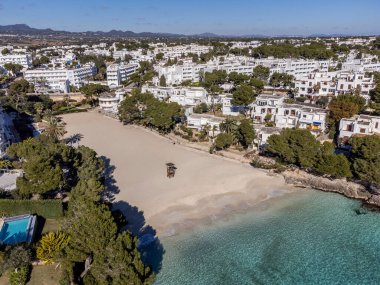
(359, 125)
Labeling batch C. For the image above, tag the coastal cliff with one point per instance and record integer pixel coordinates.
(349, 189)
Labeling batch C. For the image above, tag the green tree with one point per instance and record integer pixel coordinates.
(41, 175)
(91, 90)
(243, 95)
(229, 125)
(260, 72)
(5, 51)
(237, 78)
(163, 81)
(345, 106)
(201, 108)
(375, 94)
(14, 68)
(331, 164)
(159, 56)
(281, 79)
(294, 146)
(245, 133)
(55, 128)
(224, 140)
(366, 159)
(111, 263)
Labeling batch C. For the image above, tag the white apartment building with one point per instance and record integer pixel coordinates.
(333, 83)
(359, 125)
(76, 76)
(348, 81)
(266, 106)
(295, 67)
(272, 108)
(117, 73)
(184, 96)
(52, 86)
(316, 84)
(199, 121)
(360, 65)
(298, 116)
(22, 59)
(178, 51)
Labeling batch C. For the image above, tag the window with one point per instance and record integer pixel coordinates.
(362, 130)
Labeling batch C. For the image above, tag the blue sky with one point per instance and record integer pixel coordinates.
(229, 17)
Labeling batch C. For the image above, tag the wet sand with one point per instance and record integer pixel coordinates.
(205, 187)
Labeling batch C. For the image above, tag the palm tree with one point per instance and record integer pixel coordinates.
(55, 128)
(229, 126)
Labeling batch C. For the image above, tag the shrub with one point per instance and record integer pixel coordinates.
(224, 141)
(19, 276)
(46, 208)
(51, 246)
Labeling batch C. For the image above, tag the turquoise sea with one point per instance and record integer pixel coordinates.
(306, 237)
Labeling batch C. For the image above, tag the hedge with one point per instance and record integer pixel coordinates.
(49, 209)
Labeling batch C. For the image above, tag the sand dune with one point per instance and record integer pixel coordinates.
(205, 187)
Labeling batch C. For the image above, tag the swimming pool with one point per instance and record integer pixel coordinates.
(17, 229)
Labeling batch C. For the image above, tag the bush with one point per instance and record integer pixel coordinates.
(223, 141)
(20, 276)
(49, 209)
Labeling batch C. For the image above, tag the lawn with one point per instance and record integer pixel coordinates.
(45, 275)
(51, 225)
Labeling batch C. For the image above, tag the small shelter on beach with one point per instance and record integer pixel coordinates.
(170, 169)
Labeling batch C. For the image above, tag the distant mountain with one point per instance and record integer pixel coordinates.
(23, 29)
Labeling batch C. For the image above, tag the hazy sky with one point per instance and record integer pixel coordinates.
(229, 17)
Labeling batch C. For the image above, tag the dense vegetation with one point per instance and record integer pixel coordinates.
(286, 50)
(91, 249)
(144, 109)
(300, 148)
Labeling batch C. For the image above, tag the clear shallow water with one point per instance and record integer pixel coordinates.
(301, 238)
(14, 231)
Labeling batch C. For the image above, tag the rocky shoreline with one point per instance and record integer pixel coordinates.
(349, 189)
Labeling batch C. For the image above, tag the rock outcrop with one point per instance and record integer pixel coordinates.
(349, 189)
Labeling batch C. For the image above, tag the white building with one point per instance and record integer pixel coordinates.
(228, 109)
(76, 76)
(316, 84)
(263, 133)
(184, 96)
(265, 107)
(349, 81)
(110, 102)
(199, 121)
(52, 86)
(298, 116)
(359, 125)
(272, 108)
(23, 59)
(178, 51)
(117, 73)
(295, 67)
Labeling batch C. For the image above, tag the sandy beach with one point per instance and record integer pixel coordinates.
(205, 187)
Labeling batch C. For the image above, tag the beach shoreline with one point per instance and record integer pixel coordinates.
(205, 188)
